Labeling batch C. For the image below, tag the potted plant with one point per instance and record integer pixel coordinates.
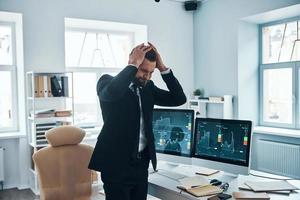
(197, 93)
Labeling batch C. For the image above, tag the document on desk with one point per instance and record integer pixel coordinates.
(265, 186)
(204, 191)
(250, 196)
(206, 171)
(192, 170)
(192, 182)
(247, 188)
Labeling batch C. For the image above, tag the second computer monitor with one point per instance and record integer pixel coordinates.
(224, 141)
(173, 131)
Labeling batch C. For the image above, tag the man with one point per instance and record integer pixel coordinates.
(126, 143)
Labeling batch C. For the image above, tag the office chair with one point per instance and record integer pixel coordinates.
(63, 166)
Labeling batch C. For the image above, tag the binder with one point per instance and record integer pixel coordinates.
(49, 86)
(45, 83)
(55, 87)
(41, 86)
(65, 86)
(36, 86)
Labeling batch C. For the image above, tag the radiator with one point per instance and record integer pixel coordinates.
(1, 164)
(278, 158)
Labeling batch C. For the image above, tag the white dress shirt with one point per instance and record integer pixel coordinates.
(142, 138)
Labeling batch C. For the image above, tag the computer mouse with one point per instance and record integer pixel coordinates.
(215, 182)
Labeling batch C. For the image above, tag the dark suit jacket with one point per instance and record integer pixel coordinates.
(116, 150)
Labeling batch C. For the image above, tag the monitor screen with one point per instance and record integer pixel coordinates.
(173, 131)
(223, 140)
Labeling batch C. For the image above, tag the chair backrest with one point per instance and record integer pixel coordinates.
(63, 166)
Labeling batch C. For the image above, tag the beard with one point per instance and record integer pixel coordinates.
(140, 82)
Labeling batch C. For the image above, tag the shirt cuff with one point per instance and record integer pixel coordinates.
(133, 65)
(166, 71)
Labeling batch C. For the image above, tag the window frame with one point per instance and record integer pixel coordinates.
(14, 80)
(101, 31)
(295, 65)
(138, 34)
(98, 71)
(297, 94)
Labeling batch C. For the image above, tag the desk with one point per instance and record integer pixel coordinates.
(165, 188)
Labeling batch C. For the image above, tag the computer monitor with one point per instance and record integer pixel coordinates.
(173, 131)
(222, 144)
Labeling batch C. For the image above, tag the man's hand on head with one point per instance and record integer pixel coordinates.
(137, 55)
(159, 63)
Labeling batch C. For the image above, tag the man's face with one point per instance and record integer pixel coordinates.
(144, 72)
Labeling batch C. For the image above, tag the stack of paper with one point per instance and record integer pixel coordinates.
(246, 187)
(192, 182)
(270, 186)
(280, 186)
(205, 191)
(206, 171)
(43, 113)
(248, 196)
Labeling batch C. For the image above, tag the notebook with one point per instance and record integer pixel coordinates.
(204, 190)
(264, 186)
(192, 182)
(206, 171)
(198, 186)
(246, 187)
(250, 196)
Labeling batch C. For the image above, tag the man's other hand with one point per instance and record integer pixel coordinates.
(137, 55)
(159, 63)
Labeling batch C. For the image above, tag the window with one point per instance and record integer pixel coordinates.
(280, 44)
(8, 100)
(278, 95)
(6, 57)
(94, 48)
(97, 49)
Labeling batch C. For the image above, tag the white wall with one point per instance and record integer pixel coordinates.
(11, 162)
(216, 26)
(248, 72)
(169, 27)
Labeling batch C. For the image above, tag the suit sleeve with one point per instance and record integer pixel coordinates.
(111, 88)
(174, 97)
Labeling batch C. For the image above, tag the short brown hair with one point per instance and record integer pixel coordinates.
(151, 55)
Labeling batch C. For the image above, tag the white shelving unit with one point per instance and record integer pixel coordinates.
(200, 106)
(40, 97)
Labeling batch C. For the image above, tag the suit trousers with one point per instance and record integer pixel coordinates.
(134, 189)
